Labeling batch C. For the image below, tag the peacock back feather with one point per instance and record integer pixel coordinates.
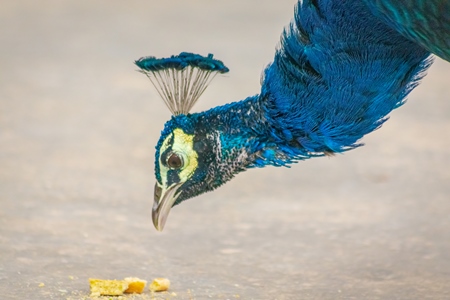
(424, 22)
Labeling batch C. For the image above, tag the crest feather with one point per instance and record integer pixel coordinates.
(181, 79)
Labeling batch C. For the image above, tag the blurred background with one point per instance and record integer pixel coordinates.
(78, 127)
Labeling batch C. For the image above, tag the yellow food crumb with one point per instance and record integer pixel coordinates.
(160, 285)
(41, 284)
(135, 285)
(101, 287)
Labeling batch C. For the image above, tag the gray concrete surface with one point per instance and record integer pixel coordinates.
(77, 132)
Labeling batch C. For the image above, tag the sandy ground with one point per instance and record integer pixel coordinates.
(78, 127)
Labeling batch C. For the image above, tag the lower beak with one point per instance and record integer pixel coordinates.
(163, 202)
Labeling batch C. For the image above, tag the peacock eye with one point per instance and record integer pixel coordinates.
(174, 161)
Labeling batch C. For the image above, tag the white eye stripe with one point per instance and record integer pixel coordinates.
(184, 144)
(181, 144)
(162, 166)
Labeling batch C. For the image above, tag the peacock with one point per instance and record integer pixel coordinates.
(342, 66)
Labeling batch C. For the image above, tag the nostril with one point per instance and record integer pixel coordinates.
(158, 191)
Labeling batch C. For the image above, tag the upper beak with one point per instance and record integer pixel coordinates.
(163, 202)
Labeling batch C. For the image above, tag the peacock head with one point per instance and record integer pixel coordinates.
(185, 151)
(183, 165)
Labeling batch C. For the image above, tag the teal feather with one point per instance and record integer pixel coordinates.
(338, 73)
(424, 22)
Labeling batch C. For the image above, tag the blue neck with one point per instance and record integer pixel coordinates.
(245, 132)
(236, 119)
(241, 131)
(333, 80)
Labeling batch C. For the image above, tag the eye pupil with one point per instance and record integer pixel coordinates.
(174, 161)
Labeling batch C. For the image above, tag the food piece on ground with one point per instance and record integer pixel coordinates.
(160, 285)
(100, 287)
(135, 285)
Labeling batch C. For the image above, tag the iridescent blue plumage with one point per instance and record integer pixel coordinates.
(423, 21)
(339, 71)
(181, 79)
(181, 61)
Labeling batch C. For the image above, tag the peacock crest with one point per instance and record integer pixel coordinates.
(181, 79)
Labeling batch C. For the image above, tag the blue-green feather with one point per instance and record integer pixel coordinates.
(423, 21)
(339, 71)
(180, 62)
(337, 74)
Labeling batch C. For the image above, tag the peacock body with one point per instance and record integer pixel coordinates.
(339, 71)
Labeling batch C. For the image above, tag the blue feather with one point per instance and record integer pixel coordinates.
(332, 83)
(425, 22)
(340, 69)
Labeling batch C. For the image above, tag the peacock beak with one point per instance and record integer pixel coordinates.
(163, 202)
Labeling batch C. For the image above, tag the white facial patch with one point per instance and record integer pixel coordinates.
(183, 145)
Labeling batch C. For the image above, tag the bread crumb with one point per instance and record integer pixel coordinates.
(135, 285)
(160, 285)
(100, 287)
